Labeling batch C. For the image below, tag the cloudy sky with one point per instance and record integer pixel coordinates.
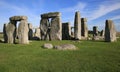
(96, 11)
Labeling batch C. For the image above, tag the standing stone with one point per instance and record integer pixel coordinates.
(56, 29)
(72, 32)
(77, 26)
(10, 31)
(50, 26)
(4, 33)
(110, 32)
(30, 33)
(37, 33)
(95, 31)
(102, 33)
(44, 24)
(23, 32)
(66, 31)
(84, 29)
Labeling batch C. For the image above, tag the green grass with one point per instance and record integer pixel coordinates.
(1, 35)
(92, 56)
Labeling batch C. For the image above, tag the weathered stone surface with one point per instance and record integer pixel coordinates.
(51, 15)
(110, 32)
(96, 38)
(44, 29)
(37, 34)
(18, 18)
(50, 26)
(4, 33)
(84, 19)
(48, 46)
(84, 29)
(77, 26)
(72, 32)
(56, 29)
(10, 31)
(66, 47)
(66, 31)
(23, 32)
(95, 31)
(102, 33)
(30, 33)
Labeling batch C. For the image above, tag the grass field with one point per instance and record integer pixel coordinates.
(92, 56)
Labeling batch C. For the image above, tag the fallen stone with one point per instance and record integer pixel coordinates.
(48, 46)
(65, 47)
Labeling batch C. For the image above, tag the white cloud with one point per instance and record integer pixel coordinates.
(116, 17)
(103, 10)
(78, 6)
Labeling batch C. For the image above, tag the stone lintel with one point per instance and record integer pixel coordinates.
(50, 15)
(18, 18)
(66, 23)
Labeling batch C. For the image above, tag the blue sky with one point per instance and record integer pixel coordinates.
(96, 11)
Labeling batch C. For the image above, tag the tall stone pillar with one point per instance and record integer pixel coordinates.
(4, 33)
(23, 32)
(10, 31)
(84, 29)
(44, 25)
(56, 29)
(110, 32)
(30, 33)
(95, 31)
(66, 31)
(77, 26)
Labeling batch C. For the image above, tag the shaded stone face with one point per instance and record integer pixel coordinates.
(84, 29)
(23, 32)
(77, 26)
(95, 31)
(66, 31)
(110, 32)
(30, 32)
(44, 24)
(102, 33)
(50, 26)
(10, 31)
(5, 33)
